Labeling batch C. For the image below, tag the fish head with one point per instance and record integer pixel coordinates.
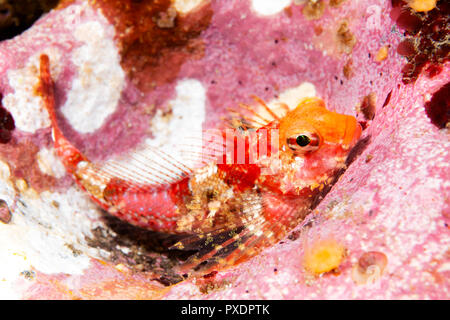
(314, 143)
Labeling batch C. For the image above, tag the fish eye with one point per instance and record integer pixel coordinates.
(303, 140)
(303, 143)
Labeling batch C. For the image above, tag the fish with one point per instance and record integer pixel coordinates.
(257, 179)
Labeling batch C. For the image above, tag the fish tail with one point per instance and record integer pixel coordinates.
(69, 155)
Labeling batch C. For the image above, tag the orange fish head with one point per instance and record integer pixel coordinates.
(314, 142)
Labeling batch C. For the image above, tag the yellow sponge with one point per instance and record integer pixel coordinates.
(422, 5)
(323, 256)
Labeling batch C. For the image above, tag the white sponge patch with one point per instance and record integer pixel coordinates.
(269, 7)
(96, 90)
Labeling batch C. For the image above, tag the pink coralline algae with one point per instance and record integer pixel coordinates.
(123, 78)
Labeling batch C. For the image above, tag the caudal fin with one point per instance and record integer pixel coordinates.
(69, 155)
(46, 88)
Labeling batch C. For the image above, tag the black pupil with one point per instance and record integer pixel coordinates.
(303, 140)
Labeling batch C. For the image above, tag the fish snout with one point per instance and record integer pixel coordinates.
(353, 132)
(357, 134)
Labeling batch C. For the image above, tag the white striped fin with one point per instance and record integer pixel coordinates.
(147, 166)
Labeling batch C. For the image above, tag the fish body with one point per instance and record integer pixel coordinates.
(235, 203)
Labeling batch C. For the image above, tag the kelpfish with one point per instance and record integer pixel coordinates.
(240, 199)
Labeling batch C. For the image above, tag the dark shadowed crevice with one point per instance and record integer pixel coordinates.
(387, 100)
(145, 251)
(357, 150)
(7, 125)
(438, 108)
(16, 16)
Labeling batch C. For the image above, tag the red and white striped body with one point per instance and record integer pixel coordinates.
(240, 207)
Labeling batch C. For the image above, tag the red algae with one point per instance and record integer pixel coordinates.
(154, 41)
(426, 43)
(438, 108)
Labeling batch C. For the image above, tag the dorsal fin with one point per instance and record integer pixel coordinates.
(145, 167)
(266, 107)
(256, 115)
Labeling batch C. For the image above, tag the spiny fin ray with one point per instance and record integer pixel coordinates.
(223, 248)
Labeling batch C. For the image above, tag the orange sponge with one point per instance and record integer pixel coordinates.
(323, 256)
(422, 5)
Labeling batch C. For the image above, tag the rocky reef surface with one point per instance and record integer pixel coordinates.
(127, 72)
